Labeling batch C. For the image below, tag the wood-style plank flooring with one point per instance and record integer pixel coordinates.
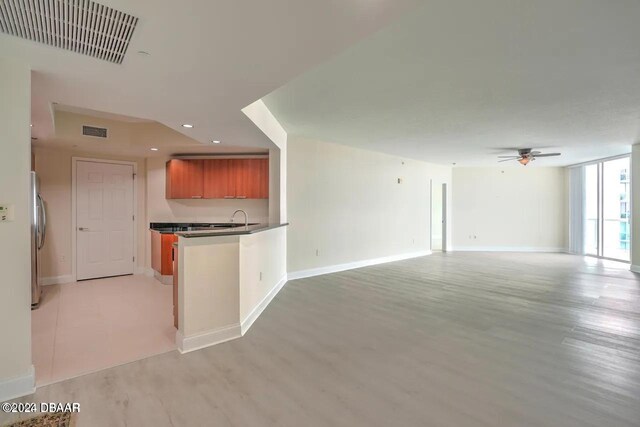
(461, 339)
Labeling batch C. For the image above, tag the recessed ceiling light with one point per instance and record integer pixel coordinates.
(154, 149)
(187, 125)
(215, 141)
(30, 125)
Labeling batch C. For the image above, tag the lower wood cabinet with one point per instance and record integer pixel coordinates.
(217, 179)
(161, 259)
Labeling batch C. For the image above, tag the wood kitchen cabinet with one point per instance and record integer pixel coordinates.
(161, 252)
(252, 178)
(185, 179)
(218, 179)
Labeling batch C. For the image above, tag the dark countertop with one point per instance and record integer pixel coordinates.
(251, 229)
(176, 227)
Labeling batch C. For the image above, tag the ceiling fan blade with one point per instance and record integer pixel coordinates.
(547, 154)
(536, 152)
(507, 160)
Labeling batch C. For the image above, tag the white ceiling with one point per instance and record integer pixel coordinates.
(462, 80)
(208, 59)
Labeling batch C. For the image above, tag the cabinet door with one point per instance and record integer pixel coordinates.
(252, 178)
(167, 262)
(156, 251)
(185, 179)
(242, 174)
(262, 176)
(219, 180)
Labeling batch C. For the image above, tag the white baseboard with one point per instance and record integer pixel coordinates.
(351, 265)
(634, 268)
(165, 280)
(507, 249)
(143, 270)
(19, 386)
(257, 311)
(57, 280)
(207, 339)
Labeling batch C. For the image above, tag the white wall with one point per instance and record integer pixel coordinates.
(16, 369)
(260, 115)
(261, 268)
(511, 208)
(53, 167)
(224, 284)
(346, 204)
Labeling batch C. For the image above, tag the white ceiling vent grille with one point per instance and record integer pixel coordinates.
(82, 26)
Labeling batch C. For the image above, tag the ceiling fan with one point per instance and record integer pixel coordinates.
(525, 155)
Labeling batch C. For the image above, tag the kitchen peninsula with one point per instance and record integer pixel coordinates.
(226, 277)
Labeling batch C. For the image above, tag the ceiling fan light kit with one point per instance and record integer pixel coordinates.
(526, 155)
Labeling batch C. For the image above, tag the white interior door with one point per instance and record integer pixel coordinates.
(104, 219)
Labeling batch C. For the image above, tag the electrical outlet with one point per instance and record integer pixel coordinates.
(6, 212)
(399, 180)
(63, 258)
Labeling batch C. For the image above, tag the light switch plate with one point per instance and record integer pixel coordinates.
(6, 212)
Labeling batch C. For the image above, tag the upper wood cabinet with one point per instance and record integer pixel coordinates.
(185, 179)
(218, 179)
(252, 178)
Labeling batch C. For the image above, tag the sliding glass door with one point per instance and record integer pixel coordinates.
(607, 209)
(591, 209)
(616, 209)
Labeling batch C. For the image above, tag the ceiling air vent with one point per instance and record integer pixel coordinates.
(82, 26)
(94, 131)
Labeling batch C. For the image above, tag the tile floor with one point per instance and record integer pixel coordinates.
(87, 326)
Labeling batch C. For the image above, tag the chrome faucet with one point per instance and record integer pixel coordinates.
(246, 217)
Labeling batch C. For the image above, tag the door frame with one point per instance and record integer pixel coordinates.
(443, 245)
(74, 227)
(445, 241)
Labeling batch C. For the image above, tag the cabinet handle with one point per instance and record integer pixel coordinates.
(229, 197)
(196, 197)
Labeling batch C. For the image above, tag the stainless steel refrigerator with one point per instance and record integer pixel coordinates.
(38, 233)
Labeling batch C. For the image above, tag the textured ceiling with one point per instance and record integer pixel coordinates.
(462, 81)
(207, 59)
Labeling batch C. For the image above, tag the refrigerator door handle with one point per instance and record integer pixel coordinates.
(43, 232)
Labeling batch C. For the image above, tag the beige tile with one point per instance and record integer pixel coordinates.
(87, 326)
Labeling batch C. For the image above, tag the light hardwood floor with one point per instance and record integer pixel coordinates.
(462, 339)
